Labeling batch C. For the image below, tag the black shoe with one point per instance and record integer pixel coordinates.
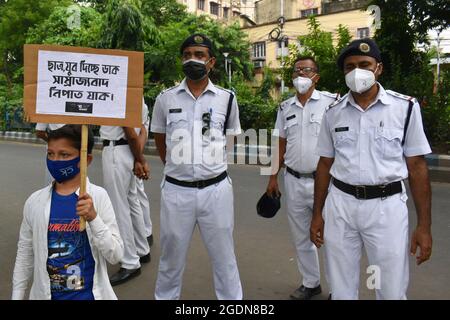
(329, 297)
(123, 275)
(304, 293)
(150, 240)
(145, 259)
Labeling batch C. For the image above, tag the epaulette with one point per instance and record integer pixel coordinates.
(334, 96)
(399, 95)
(168, 89)
(224, 89)
(337, 101)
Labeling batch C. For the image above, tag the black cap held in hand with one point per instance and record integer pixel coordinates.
(360, 47)
(196, 40)
(267, 207)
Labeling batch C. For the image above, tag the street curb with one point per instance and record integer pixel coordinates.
(438, 164)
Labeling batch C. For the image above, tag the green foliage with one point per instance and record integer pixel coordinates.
(55, 29)
(255, 110)
(125, 27)
(16, 18)
(319, 44)
(164, 12)
(406, 69)
(436, 116)
(225, 39)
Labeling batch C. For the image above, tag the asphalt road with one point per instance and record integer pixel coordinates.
(265, 254)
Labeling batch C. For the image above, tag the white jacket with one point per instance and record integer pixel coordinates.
(32, 252)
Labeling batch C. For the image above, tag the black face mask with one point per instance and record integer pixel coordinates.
(195, 70)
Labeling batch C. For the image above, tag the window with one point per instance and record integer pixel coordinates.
(225, 12)
(259, 50)
(201, 4)
(309, 12)
(214, 8)
(362, 33)
(286, 48)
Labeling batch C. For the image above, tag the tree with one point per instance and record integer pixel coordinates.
(125, 27)
(404, 23)
(319, 44)
(164, 60)
(164, 12)
(55, 30)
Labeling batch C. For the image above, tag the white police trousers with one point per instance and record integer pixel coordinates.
(299, 201)
(141, 203)
(119, 181)
(211, 208)
(379, 225)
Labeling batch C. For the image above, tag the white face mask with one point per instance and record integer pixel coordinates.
(360, 80)
(302, 84)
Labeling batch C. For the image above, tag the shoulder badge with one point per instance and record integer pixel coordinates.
(336, 101)
(399, 95)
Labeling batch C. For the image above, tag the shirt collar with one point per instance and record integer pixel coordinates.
(315, 96)
(210, 87)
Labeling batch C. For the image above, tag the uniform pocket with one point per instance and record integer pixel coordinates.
(291, 128)
(389, 142)
(314, 124)
(344, 143)
(177, 126)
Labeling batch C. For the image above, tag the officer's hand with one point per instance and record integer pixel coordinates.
(272, 187)
(85, 207)
(140, 171)
(421, 238)
(146, 170)
(316, 230)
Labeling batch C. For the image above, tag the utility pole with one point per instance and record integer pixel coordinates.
(282, 44)
(438, 71)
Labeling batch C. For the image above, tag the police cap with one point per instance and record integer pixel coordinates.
(197, 40)
(268, 206)
(360, 47)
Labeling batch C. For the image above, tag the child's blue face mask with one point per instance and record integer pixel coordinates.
(63, 170)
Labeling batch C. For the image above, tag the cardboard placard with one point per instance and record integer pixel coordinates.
(75, 85)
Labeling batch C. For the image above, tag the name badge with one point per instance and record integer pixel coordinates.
(290, 117)
(175, 110)
(341, 129)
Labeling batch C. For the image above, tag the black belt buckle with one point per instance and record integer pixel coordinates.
(384, 190)
(360, 190)
(200, 184)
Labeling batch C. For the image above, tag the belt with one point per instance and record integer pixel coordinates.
(299, 175)
(369, 192)
(120, 142)
(198, 184)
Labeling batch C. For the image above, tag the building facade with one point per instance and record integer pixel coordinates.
(225, 10)
(270, 10)
(266, 51)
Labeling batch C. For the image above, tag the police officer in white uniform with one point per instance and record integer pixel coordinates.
(137, 197)
(298, 125)
(42, 130)
(188, 122)
(122, 159)
(370, 141)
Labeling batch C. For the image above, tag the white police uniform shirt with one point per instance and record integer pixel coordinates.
(367, 144)
(300, 125)
(178, 114)
(117, 133)
(48, 126)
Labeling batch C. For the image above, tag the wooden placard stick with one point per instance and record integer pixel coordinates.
(83, 167)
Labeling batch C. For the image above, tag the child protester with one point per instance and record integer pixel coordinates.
(67, 264)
